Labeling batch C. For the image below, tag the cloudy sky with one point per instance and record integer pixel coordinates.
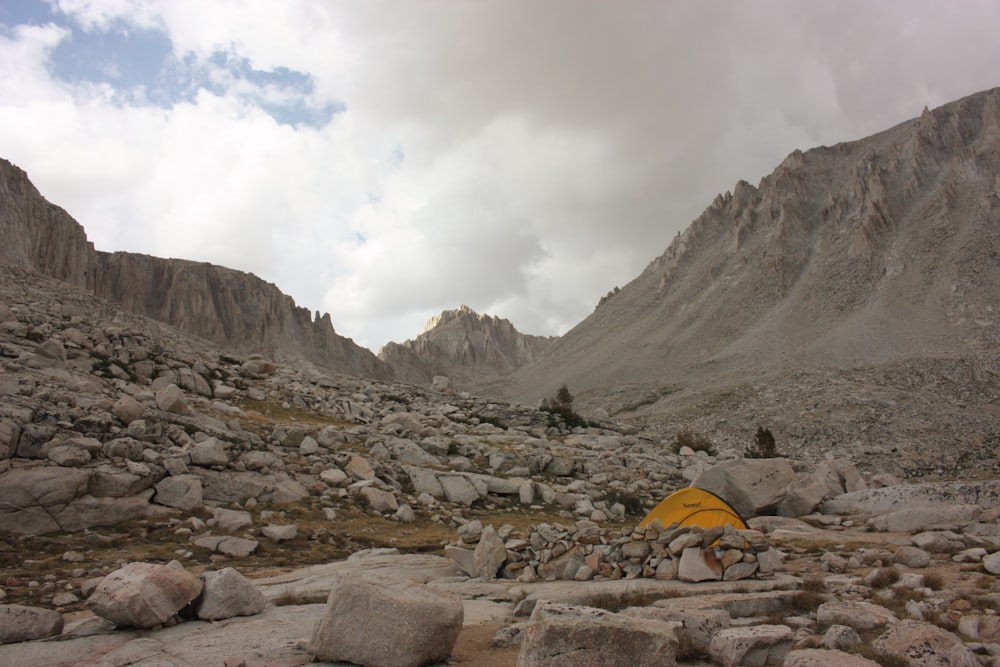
(383, 161)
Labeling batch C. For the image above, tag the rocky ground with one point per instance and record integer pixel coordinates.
(123, 440)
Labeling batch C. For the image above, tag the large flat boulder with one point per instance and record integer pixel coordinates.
(180, 491)
(751, 486)
(565, 635)
(144, 595)
(817, 657)
(753, 646)
(19, 623)
(854, 614)
(932, 494)
(400, 624)
(30, 496)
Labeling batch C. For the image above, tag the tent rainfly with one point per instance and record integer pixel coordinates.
(694, 507)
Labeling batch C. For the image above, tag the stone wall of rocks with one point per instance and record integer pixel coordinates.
(588, 551)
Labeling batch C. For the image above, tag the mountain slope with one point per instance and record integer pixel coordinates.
(880, 256)
(863, 252)
(231, 308)
(464, 346)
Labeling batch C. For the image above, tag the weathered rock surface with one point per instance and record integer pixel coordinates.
(752, 487)
(227, 593)
(814, 657)
(19, 623)
(416, 625)
(854, 614)
(561, 635)
(754, 646)
(925, 645)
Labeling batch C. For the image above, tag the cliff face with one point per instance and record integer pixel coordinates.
(863, 253)
(465, 346)
(237, 310)
(37, 235)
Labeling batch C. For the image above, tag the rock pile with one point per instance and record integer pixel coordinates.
(144, 595)
(588, 552)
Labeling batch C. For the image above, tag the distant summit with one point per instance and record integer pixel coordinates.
(463, 345)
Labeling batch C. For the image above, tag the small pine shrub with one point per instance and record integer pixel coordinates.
(561, 407)
(688, 437)
(563, 399)
(764, 446)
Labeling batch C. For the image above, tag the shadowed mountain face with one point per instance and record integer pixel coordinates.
(464, 346)
(237, 310)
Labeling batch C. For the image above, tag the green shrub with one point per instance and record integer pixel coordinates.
(884, 577)
(688, 437)
(631, 502)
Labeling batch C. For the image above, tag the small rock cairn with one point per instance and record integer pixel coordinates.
(588, 552)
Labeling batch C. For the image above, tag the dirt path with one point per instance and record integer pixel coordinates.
(475, 647)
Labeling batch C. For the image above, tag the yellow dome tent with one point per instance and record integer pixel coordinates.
(694, 507)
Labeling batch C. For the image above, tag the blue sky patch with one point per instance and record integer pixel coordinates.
(142, 69)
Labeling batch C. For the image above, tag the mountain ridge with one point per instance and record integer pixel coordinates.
(847, 302)
(229, 307)
(856, 207)
(238, 309)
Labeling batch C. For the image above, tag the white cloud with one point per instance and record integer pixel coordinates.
(520, 157)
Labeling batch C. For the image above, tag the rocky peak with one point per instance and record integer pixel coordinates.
(463, 345)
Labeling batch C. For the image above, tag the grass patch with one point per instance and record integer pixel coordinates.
(934, 581)
(806, 602)
(266, 414)
(884, 577)
(689, 651)
(616, 602)
(292, 596)
(688, 437)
